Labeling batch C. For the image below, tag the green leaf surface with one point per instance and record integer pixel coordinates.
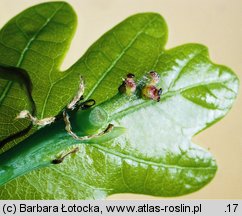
(37, 40)
(20, 76)
(155, 156)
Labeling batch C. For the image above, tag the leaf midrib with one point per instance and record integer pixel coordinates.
(145, 103)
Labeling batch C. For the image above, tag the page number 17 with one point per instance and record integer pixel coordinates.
(231, 207)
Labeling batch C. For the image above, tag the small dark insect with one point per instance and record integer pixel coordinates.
(130, 75)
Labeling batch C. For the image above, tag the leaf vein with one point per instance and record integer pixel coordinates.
(8, 87)
(138, 160)
(187, 63)
(118, 58)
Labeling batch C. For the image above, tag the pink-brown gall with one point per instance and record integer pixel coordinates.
(128, 86)
(151, 92)
(154, 77)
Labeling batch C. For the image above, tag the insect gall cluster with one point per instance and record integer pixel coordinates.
(147, 88)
